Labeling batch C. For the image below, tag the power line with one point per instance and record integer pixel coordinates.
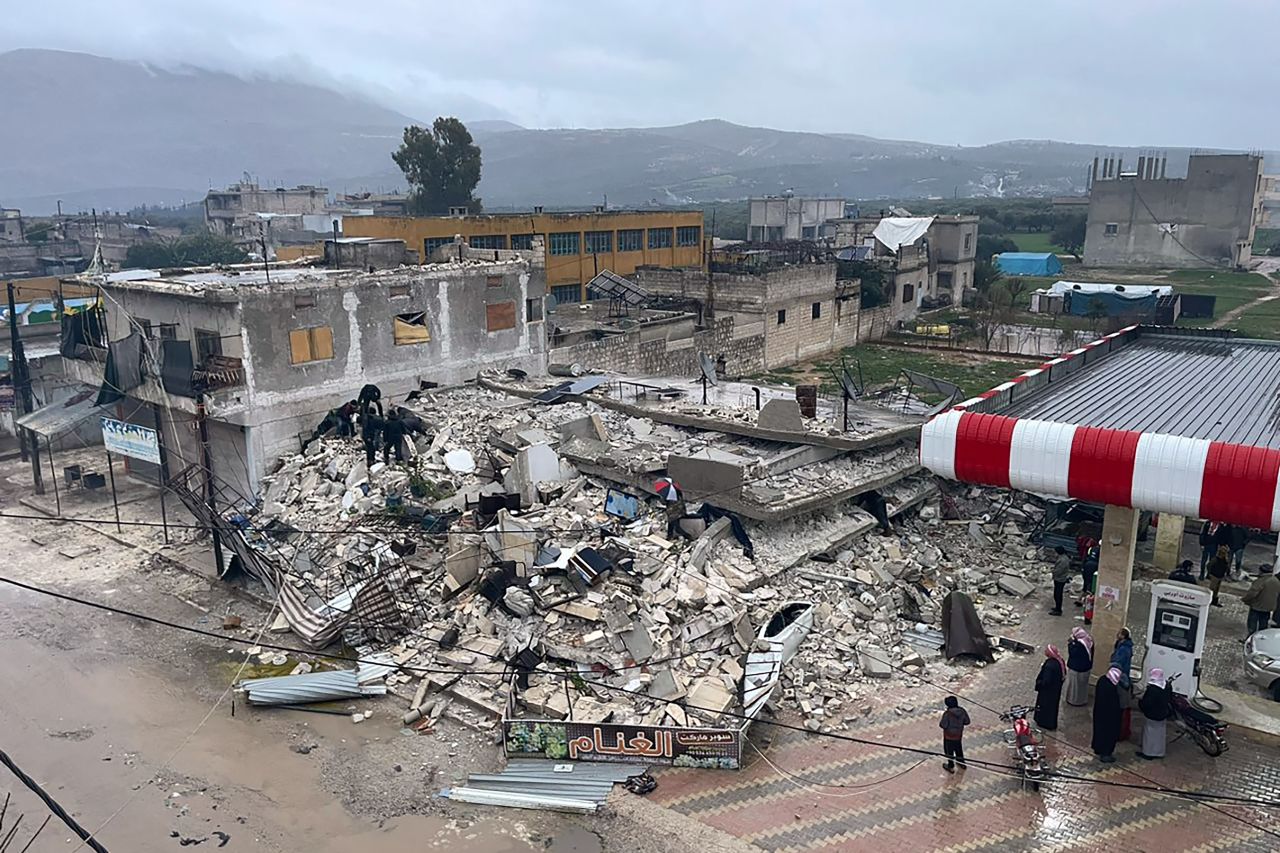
(993, 766)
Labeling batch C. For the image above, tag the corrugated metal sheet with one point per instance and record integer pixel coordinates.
(557, 786)
(59, 417)
(311, 687)
(1197, 387)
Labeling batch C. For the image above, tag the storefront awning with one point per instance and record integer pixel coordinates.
(55, 419)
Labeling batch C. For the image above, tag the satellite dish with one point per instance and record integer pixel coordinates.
(708, 367)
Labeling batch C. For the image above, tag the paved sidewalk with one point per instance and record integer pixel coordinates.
(893, 799)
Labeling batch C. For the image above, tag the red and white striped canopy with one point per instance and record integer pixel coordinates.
(1163, 473)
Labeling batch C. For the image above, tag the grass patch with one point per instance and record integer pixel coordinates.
(1260, 322)
(880, 367)
(1036, 241)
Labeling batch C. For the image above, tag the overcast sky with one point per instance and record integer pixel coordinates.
(1136, 72)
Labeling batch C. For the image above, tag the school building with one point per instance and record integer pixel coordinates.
(578, 244)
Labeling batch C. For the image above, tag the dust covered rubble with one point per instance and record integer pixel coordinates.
(660, 638)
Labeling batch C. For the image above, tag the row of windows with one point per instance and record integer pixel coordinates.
(573, 242)
(815, 313)
(315, 343)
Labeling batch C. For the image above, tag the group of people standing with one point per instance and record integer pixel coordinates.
(1112, 697)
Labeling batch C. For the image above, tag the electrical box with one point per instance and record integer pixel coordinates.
(1175, 632)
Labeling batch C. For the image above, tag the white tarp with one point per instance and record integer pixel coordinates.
(897, 231)
(1133, 290)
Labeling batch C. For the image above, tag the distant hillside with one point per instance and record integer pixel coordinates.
(102, 132)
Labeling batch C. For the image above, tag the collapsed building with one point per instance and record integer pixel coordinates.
(527, 558)
(257, 356)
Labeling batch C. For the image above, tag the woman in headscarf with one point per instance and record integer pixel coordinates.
(1079, 665)
(1155, 707)
(1049, 688)
(1106, 716)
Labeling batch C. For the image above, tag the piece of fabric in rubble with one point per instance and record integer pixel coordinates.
(710, 513)
(962, 631)
(124, 369)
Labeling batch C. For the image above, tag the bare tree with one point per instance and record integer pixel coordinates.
(998, 308)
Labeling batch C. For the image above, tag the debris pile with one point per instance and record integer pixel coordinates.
(522, 561)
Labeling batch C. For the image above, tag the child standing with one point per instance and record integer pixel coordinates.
(954, 719)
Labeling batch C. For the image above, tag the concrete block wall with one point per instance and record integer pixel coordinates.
(630, 353)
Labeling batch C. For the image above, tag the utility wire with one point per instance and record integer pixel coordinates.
(52, 804)
(1198, 796)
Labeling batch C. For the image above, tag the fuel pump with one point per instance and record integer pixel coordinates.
(1175, 632)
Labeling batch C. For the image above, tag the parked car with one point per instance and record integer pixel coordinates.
(1262, 660)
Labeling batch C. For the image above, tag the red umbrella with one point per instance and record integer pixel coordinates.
(667, 489)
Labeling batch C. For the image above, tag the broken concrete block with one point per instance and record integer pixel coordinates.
(874, 664)
(590, 428)
(677, 715)
(709, 697)
(518, 601)
(638, 642)
(700, 476)
(640, 427)
(666, 686)
(1015, 585)
(359, 474)
(781, 415)
(707, 542)
(535, 464)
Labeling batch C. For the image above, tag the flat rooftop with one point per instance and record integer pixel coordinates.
(1177, 383)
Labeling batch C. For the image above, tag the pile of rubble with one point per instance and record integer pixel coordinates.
(516, 592)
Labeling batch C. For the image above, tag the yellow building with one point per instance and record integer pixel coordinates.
(578, 245)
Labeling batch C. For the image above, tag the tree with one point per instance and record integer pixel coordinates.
(997, 308)
(989, 245)
(1068, 232)
(196, 250)
(985, 274)
(870, 274)
(442, 166)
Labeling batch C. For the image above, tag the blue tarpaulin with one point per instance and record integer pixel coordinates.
(1112, 304)
(1028, 263)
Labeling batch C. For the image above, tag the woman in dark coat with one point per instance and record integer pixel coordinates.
(1079, 664)
(1106, 716)
(1049, 688)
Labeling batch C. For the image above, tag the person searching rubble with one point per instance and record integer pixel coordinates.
(370, 433)
(370, 396)
(336, 422)
(1184, 573)
(393, 433)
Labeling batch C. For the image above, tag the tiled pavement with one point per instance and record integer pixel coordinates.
(892, 799)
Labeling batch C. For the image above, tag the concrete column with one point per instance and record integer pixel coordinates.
(1168, 551)
(1115, 575)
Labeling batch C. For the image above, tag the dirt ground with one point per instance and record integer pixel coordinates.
(120, 720)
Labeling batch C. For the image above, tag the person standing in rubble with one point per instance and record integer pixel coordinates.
(1079, 665)
(370, 432)
(1061, 576)
(393, 433)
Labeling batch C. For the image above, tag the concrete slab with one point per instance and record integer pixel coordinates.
(700, 477)
(591, 428)
(780, 415)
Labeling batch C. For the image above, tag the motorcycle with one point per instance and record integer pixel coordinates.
(1204, 728)
(1024, 742)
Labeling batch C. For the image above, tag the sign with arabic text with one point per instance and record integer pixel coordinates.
(560, 740)
(131, 440)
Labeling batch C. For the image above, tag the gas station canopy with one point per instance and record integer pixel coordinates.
(1179, 421)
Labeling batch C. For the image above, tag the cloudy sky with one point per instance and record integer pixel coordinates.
(1137, 72)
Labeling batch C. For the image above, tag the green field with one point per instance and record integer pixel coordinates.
(1036, 241)
(880, 366)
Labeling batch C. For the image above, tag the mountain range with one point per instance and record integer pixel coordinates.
(91, 131)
